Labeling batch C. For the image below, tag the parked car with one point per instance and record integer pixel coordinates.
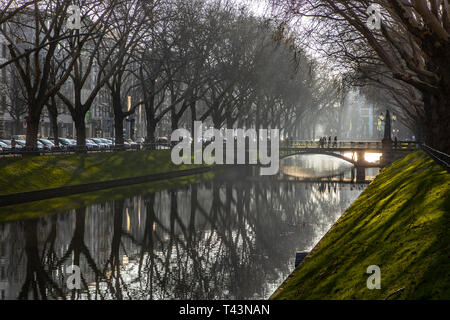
(111, 140)
(140, 140)
(100, 143)
(131, 143)
(22, 144)
(5, 146)
(67, 144)
(162, 140)
(48, 145)
(91, 145)
(74, 143)
(107, 141)
(8, 142)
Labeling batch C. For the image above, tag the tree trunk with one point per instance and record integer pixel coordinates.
(193, 115)
(78, 235)
(313, 131)
(419, 130)
(54, 124)
(151, 129)
(217, 123)
(193, 211)
(229, 121)
(174, 119)
(32, 132)
(216, 118)
(151, 121)
(118, 127)
(436, 129)
(53, 113)
(80, 127)
(17, 126)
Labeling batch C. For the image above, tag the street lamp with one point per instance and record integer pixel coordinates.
(390, 123)
(382, 117)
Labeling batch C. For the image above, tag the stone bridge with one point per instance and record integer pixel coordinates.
(351, 151)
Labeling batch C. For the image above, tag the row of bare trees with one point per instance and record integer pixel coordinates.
(186, 60)
(406, 58)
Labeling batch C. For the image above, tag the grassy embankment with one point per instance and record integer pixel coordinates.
(44, 172)
(401, 223)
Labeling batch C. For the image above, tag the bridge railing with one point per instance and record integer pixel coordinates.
(332, 144)
(303, 144)
(409, 145)
(441, 158)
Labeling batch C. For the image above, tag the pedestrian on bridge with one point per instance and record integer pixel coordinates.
(335, 142)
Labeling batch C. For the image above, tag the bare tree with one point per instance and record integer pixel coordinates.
(40, 30)
(115, 35)
(10, 8)
(13, 97)
(412, 42)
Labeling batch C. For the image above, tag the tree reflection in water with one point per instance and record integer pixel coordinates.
(216, 240)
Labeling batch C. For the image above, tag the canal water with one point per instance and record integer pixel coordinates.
(219, 239)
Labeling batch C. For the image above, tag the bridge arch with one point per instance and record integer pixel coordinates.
(321, 152)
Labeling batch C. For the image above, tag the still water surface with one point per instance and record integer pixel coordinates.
(220, 239)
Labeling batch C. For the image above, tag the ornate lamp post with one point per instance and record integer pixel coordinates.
(387, 140)
(387, 130)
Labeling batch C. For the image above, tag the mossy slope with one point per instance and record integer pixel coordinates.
(401, 223)
(44, 172)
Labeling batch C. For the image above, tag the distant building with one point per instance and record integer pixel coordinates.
(13, 110)
(359, 118)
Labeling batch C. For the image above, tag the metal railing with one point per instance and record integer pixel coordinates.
(297, 144)
(441, 158)
(21, 152)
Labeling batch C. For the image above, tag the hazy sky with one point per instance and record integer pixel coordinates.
(259, 7)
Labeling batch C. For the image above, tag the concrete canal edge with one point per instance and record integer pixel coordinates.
(30, 196)
(400, 223)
